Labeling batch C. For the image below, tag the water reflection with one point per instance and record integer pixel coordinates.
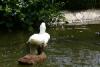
(60, 57)
(72, 48)
(82, 58)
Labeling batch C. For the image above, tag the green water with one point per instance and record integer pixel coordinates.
(74, 46)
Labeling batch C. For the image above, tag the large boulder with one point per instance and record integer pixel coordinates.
(32, 59)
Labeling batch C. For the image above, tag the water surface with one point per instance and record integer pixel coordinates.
(74, 46)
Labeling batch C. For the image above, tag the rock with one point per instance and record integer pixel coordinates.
(32, 59)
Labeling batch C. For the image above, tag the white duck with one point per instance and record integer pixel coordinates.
(40, 40)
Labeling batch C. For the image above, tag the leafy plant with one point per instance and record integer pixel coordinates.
(27, 13)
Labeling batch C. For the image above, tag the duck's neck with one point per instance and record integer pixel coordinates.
(42, 31)
(42, 28)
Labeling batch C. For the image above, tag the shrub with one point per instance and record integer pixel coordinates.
(25, 13)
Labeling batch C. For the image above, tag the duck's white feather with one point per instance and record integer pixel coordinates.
(41, 38)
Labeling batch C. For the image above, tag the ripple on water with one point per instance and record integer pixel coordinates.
(82, 58)
(59, 59)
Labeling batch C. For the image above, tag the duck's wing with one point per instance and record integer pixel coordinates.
(46, 37)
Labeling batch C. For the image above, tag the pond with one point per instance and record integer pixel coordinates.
(74, 46)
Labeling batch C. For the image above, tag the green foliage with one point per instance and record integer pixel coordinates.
(30, 13)
(25, 13)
